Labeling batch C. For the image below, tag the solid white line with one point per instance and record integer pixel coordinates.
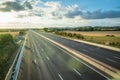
(76, 58)
(48, 58)
(77, 72)
(60, 77)
(82, 62)
(111, 60)
(116, 57)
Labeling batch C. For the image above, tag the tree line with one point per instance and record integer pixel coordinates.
(67, 34)
(84, 28)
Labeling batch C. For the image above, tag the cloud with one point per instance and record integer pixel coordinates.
(15, 6)
(28, 5)
(73, 11)
(11, 6)
(99, 14)
(55, 10)
(51, 13)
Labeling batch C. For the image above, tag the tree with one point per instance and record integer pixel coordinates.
(45, 29)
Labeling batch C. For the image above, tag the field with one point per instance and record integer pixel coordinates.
(97, 33)
(14, 34)
(101, 37)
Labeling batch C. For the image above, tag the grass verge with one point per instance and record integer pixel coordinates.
(7, 50)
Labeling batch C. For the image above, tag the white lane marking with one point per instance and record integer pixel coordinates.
(82, 62)
(77, 72)
(116, 57)
(73, 46)
(60, 77)
(76, 44)
(91, 49)
(85, 50)
(77, 59)
(111, 60)
(48, 58)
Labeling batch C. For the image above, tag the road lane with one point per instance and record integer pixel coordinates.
(58, 62)
(98, 53)
(28, 71)
(43, 60)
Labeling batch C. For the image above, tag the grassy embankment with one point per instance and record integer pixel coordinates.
(7, 50)
(101, 37)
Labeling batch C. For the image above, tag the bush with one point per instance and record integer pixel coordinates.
(78, 36)
(69, 34)
(110, 35)
(5, 39)
(45, 29)
(21, 32)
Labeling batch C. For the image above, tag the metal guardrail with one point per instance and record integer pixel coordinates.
(15, 67)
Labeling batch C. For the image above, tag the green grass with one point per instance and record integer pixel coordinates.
(7, 49)
(111, 41)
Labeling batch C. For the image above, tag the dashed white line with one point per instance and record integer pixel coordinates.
(77, 72)
(91, 49)
(60, 76)
(84, 50)
(77, 59)
(82, 62)
(116, 57)
(73, 46)
(76, 44)
(111, 60)
(48, 58)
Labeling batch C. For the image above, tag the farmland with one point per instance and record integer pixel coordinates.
(14, 34)
(109, 38)
(97, 33)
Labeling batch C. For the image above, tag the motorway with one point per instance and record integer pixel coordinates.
(43, 60)
(107, 56)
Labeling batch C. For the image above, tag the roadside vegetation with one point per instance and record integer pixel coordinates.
(92, 34)
(109, 40)
(83, 28)
(22, 32)
(105, 40)
(7, 49)
(71, 35)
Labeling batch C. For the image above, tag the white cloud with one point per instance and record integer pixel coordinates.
(48, 14)
(7, 17)
(2, 1)
(51, 14)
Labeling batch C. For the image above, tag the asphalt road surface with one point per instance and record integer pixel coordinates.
(43, 60)
(107, 56)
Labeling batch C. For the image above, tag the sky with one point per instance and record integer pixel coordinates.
(58, 13)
